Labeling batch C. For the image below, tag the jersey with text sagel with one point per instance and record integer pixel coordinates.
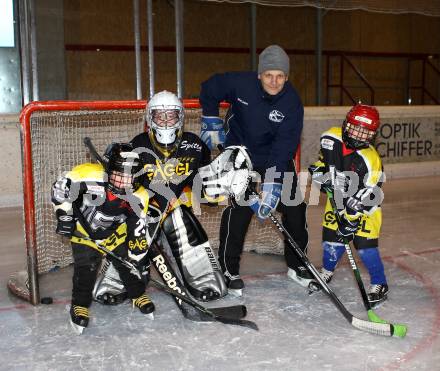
(100, 214)
(268, 125)
(168, 177)
(367, 164)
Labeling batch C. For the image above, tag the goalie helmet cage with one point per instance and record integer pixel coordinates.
(52, 136)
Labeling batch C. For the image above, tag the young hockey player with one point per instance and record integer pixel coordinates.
(171, 159)
(350, 167)
(91, 207)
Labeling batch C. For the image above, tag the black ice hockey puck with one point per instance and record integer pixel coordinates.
(46, 300)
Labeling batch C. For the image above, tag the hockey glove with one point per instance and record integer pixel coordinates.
(346, 229)
(212, 131)
(269, 200)
(65, 225)
(321, 177)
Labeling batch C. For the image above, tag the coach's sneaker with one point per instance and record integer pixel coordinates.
(79, 318)
(235, 284)
(377, 294)
(301, 276)
(145, 305)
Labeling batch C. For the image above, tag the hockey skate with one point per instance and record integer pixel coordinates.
(235, 284)
(314, 286)
(145, 305)
(377, 294)
(303, 277)
(79, 318)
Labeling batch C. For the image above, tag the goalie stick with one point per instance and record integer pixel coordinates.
(229, 315)
(181, 296)
(399, 329)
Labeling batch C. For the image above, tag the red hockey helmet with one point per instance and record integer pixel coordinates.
(360, 126)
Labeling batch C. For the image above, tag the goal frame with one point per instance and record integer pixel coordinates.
(32, 292)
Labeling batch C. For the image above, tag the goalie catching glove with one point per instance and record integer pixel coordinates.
(228, 174)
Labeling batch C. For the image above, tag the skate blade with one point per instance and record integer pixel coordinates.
(150, 316)
(236, 293)
(77, 328)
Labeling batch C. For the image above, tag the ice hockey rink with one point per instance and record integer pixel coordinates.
(296, 331)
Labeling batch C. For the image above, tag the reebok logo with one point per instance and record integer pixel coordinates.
(168, 277)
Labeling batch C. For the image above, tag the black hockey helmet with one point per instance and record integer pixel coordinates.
(122, 167)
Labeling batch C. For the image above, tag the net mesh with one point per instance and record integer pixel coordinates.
(57, 146)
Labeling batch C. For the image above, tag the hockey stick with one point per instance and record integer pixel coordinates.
(210, 313)
(88, 143)
(399, 329)
(384, 329)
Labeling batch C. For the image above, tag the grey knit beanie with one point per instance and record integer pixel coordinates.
(273, 58)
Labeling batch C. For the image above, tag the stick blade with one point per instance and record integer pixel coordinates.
(237, 322)
(234, 311)
(383, 329)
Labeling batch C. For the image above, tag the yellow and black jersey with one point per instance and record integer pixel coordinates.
(100, 214)
(367, 165)
(167, 175)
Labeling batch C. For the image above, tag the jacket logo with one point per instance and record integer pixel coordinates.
(243, 102)
(327, 144)
(276, 116)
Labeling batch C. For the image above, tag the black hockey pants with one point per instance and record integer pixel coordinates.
(86, 264)
(235, 222)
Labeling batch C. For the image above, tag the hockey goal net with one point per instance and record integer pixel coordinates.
(52, 142)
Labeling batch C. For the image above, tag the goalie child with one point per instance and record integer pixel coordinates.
(91, 211)
(171, 158)
(350, 168)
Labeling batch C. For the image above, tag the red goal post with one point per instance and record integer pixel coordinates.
(51, 135)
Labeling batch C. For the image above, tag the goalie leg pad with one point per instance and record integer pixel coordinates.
(196, 260)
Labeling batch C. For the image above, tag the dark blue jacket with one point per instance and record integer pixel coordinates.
(268, 125)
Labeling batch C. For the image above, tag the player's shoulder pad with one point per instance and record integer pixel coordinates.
(87, 171)
(372, 158)
(330, 136)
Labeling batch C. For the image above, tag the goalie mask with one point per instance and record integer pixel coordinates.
(165, 121)
(360, 126)
(122, 165)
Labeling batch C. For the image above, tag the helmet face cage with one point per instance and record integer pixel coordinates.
(165, 116)
(360, 126)
(357, 137)
(122, 166)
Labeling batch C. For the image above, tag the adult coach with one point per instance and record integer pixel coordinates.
(265, 115)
